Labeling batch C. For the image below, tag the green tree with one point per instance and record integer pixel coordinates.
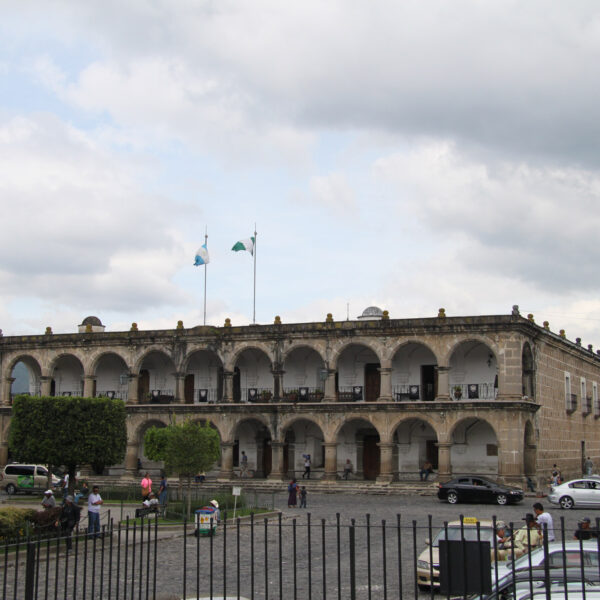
(68, 431)
(186, 449)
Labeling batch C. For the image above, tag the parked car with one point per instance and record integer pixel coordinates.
(577, 492)
(25, 478)
(477, 489)
(571, 555)
(469, 531)
(524, 581)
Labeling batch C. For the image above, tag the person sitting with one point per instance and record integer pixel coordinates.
(49, 501)
(426, 470)
(527, 537)
(347, 469)
(151, 501)
(503, 540)
(82, 493)
(584, 530)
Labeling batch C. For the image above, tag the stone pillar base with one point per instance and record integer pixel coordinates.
(329, 477)
(385, 399)
(276, 476)
(385, 478)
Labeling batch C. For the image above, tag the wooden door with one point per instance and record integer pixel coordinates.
(267, 457)
(431, 452)
(143, 386)
(428, 391)
(237, 386)
(371, 459)
(188, 388)
(372, 382)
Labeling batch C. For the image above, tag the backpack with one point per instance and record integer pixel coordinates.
(291, 488)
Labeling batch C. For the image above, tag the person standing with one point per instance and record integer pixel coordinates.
(303, 497)
(544, 518)
(94, 503)
(588, 466)
(292, 491)
(306, 466)
(347, 468)
(48, 502)
(244, 467)
(146, 486)
(162, 493)
(68, 519)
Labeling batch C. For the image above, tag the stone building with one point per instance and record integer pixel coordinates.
(494, 395)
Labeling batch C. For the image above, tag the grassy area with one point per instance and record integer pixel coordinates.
(177, 518)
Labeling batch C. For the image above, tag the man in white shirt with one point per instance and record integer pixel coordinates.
(94, 503)
(544, 518)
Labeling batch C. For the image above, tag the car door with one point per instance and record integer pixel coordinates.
(593, 493)
(464, 489)
(480, 490)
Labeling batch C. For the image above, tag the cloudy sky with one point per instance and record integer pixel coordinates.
(412, 155)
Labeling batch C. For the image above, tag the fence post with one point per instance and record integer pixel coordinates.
(30, 570)
(352, 563)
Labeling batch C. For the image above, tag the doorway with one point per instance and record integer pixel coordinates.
(143, 386)
(372, 382)
(431, 453)
(371, 457)
(428, 383)
(237, 385)
(188, 389)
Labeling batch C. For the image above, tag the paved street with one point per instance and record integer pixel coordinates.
(258, 550)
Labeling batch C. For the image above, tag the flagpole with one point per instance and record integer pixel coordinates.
(205, 268)
(254, 303)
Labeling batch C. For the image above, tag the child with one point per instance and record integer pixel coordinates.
(303, 497)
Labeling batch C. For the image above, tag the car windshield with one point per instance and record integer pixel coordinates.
(469, 534)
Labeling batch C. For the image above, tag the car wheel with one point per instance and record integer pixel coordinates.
(452, 497)
(11, 489)
(566, 502)
(501, 499)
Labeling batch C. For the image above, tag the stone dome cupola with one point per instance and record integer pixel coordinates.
(371, 313)
(91, 323)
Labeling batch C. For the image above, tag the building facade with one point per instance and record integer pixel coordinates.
(495, 395)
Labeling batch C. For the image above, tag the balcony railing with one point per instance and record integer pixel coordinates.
(302, 394)
(354, 393)
(162, 396)
(258, 395)
(206, 396)
(121, 394)
(473, 391)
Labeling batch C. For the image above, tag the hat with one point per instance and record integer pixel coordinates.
(500, 525)
(69, 499)
(529, 517)
(214, 503)
(585, 520)
(48, 492)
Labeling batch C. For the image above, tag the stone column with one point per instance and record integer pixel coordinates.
(179, 388)
(131, 458)
(226, 472)
(385, 387)
(6, 388)
(443, 383)
(45, 385)
(88, 386)
(228, 386)
(132, 391)
(277, 384)
(386, 469)
(277, 461)
(3, 453)
(330, 395)
(330, 461)
(444, 464)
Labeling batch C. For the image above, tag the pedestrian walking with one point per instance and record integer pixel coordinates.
(588, 466)
(146, 486)
(68, 519)
(306, 466)
(162, 493)
(94, 503)
(303, 497)
(292, 492)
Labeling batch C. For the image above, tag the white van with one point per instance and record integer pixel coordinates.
(25, 478)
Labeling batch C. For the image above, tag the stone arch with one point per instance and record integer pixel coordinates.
(253, 435)
(156, 376)
(31, 369)
(414, 371)
(415, 442)
(241, 348)
(110, 373)
(475, 447)
(98, 358)
(147, 351)
(204, 376)
(253, 375)
(309, 344)
(303, 366)
(358, 375)
(528, 372)
(358, 440)
(474, 369)
(146, 463)
(334, 361)
(302, 435)
(67, 373)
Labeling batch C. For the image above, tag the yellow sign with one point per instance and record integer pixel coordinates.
(470, 520)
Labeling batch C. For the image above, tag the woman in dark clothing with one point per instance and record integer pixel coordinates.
(292, 492)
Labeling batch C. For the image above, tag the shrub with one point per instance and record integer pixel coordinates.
(15, 522)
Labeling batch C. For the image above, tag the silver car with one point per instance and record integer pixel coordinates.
(577, 492)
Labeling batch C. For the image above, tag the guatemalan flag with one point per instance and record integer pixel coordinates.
(202, 257)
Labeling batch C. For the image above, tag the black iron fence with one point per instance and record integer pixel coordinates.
(261, 558)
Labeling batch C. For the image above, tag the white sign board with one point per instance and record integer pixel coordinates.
(237, 490)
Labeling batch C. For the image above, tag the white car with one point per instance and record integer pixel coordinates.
(556, 557)
(577, 492)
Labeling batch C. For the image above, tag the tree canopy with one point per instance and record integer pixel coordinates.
(68, 431)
